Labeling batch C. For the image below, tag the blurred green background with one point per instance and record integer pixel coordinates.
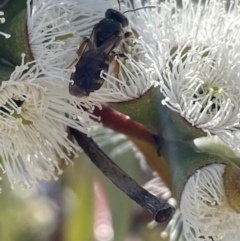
(81, 206)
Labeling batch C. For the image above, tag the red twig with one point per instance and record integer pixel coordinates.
(123, 124)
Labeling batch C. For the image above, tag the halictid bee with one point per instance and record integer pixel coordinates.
(95, 52)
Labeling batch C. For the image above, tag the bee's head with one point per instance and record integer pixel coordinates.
(116, 16)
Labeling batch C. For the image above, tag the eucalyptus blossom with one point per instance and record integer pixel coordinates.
(205, 208)
(195, 54)
(35, 114)
(55, 31)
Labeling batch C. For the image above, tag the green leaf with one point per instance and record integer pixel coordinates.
(12, 7)
(12, 48)
(5, 72)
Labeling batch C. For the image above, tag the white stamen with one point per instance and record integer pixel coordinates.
(204, 207)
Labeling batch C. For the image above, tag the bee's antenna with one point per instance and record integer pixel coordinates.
(119, 5)
(133, 10)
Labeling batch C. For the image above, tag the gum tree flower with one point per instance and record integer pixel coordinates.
(205, 208)
(36, 108)
(206, 188)
(174, 229)
(128, 77)
(54, 36)
(55, 31)
(35, 113)
(132, 81)
(196, 58)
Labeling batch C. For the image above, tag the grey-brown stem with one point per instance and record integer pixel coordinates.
(161, 210)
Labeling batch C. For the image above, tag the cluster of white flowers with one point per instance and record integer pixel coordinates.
(190, 52)
(36, 107)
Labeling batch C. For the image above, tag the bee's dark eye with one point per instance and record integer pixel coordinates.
(113, 14)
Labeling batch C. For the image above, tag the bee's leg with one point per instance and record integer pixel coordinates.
(135, 33)
(117, 69)
(80, 50)
(100, 81)
(83, 45)
(111, 58)
(96, 85)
